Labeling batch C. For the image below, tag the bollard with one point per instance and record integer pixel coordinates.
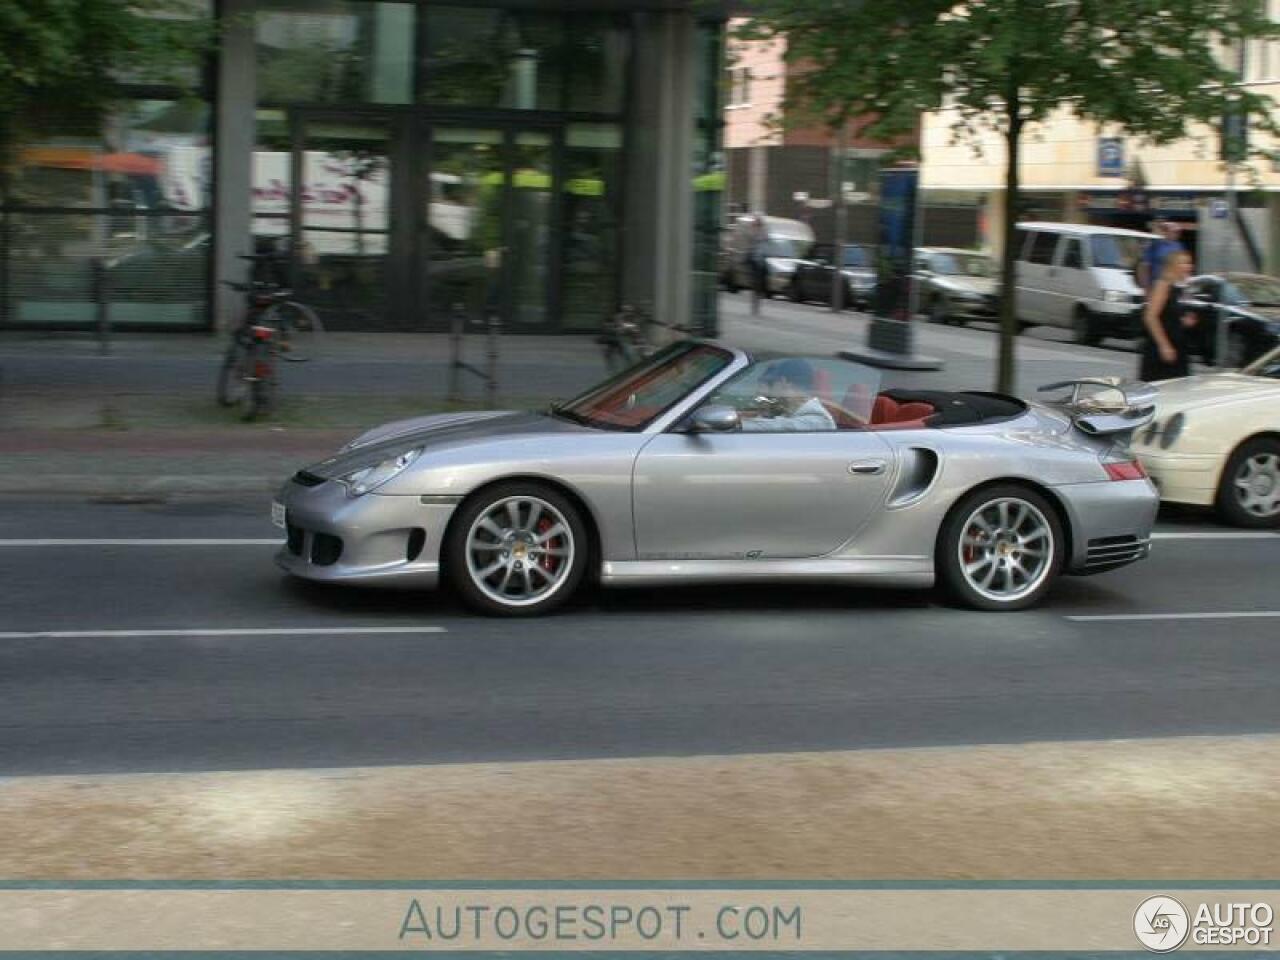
(102, 304)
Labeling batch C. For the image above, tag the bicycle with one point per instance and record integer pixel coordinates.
(626, 338)
(273, 326)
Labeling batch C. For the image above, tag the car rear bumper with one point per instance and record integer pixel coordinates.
(1111, 523)
(373, 539)
(1181, 478)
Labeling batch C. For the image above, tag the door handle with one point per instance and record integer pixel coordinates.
(867, 467)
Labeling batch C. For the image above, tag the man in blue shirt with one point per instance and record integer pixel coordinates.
(1157, 252)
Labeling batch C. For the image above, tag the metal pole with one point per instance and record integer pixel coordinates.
(102, 309)
(491, 378)
(455, 354)
(838, 208)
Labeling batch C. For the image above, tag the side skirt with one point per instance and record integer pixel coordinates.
(883, 571)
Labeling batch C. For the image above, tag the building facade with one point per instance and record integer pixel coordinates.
(1075, 171)
(542, 162)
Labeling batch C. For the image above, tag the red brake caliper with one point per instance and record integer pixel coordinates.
(548, 561)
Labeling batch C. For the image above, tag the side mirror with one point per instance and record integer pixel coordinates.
(716, 418)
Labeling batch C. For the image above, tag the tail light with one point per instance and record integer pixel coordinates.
(262, 333)
(1125, 470)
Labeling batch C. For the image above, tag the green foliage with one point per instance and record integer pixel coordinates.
(1151, 67)
(62, 61)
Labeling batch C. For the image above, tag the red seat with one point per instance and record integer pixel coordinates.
(889, 414)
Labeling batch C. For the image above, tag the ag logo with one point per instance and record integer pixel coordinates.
(1161, 923)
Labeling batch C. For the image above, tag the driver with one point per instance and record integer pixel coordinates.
(789, 386)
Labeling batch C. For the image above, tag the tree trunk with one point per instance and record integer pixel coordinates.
(1006, 367)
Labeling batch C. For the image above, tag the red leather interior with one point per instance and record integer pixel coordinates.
(889, 414)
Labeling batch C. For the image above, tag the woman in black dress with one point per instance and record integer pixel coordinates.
(1167, 323)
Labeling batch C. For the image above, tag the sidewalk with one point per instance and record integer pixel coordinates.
(1159, 809)
(141, 419)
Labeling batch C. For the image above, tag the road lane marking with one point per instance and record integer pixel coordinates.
(133, 542)
(1222, 615)
(213, 632)
(1217, 535)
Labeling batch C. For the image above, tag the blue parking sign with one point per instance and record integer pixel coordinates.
(1110, 157)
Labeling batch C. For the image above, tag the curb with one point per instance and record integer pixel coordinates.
(144, 486)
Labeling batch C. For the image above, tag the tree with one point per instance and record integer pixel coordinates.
(62, 62)
(1151, 67)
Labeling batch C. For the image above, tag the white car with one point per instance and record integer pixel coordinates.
(1216, 442)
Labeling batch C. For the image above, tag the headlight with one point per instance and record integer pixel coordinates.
(1172, 430)
(359, 482)
(1115, 296)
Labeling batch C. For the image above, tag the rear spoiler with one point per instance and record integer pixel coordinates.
(1102, 405)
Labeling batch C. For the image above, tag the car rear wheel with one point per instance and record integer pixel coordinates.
(517, 549)
(938, 311)
(1249, 492)
(1000, 548)
(1085, 327)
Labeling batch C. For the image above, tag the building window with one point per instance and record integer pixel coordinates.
(739, 87)
(486, 57)
(341, 52)
(134, 194)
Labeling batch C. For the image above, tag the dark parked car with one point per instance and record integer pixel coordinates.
(1249, 305)
(813, 275)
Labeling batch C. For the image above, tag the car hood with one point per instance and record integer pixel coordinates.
(982, 285)
(1188, 393)
(436, 431)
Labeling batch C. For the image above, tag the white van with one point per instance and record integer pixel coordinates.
(1080, 277)
(788, 244)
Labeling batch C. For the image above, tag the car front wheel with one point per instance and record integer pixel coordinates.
(517, 549)
(1000, 548)
(1249, 493)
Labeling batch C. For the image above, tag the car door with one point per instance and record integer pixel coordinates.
(1033, 274)
(817, 273)
(741, 495)
(1066, 281)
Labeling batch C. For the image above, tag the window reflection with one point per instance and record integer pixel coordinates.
(493, 58)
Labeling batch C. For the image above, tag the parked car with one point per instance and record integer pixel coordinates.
(956, 286)
(813, 275)
(705, 463)
(787, 242)
(1216, 442)
(1080, 277)
(1249, 306)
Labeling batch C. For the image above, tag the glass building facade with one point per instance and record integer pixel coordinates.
(413, 162)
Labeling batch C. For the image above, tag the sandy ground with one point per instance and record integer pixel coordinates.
(1194, 808)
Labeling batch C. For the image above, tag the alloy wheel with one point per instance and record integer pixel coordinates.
(519, 551)
(1257, 485)
(1006, 549)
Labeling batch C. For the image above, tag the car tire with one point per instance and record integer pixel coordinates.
(518, 580)
(1000, 548)
(1249, 491)
(938, 311)
(1085, 327)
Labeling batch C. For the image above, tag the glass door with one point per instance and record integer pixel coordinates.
(341, 211)
(486, 230)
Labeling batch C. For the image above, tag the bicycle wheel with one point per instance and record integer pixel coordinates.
(231, 383)
(300, 330)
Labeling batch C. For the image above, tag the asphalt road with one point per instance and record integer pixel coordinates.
(678, 672)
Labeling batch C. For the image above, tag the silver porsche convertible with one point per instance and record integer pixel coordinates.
(706, 463)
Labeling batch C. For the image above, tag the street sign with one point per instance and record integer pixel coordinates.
(1219, 209)
(1111, 157)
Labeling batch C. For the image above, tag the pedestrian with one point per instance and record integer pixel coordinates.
(1168, 323)
(1151, 266)
(757, 264)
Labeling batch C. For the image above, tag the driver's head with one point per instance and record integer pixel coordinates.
(788, 378)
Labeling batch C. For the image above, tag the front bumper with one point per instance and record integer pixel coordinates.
(1117, 319)
(1183, 478)
(373, 539)
(985, 309)
(1111, 523)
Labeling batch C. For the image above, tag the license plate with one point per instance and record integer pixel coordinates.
(277, 513)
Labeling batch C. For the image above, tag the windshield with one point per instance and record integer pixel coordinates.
(1247, 288)
(789, 247)
(1116, 251)
(642, 393)
(857, 257)
(961, 264)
